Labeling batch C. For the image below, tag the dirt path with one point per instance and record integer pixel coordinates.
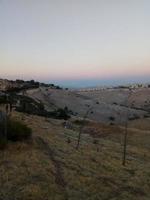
(59, 179)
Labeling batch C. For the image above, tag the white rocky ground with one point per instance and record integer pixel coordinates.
(106, 105)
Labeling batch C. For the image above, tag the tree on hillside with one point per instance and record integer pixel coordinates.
(126, 128)
(82, 126)
(3, 129)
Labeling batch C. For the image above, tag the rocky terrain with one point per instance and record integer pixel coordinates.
(108, 105)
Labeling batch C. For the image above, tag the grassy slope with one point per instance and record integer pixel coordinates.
(50, 168)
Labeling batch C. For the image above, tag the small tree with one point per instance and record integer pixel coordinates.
(3, 130)
(126, 129)
(82, 126)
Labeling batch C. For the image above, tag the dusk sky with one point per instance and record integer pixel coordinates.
(75, 42)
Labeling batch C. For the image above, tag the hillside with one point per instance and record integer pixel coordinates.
(104, 104)
(50, 167)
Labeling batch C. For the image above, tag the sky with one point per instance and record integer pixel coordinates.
(75, 43)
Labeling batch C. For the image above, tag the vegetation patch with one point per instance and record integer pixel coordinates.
(17, 131)
(13, 130)
(30, 106)
(81, 122)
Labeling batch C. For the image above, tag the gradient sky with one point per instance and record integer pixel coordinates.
(75, 42)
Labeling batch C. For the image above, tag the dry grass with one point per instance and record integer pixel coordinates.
(49, 168)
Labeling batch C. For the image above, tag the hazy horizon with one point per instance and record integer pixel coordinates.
(75, 43)
(90, 82)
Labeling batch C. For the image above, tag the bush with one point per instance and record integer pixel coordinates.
(58, 88)
(3, 139)
(81, 122)
(146, 116)
(95, 141)
(134, 117)
(112, 124)
(30, 106)
(17, 131)
(3, 143)
(61, 114)
(112, 118)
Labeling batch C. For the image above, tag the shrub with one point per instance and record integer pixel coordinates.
(61, 114)
(3, 143)
(112, 118)
(81, 122)
(3, 100)
(58, 88)
(17, 131)
(30, 106)
(95, 141)
(3, 139)
(134, 117)
(146, 116)
(112, 124)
